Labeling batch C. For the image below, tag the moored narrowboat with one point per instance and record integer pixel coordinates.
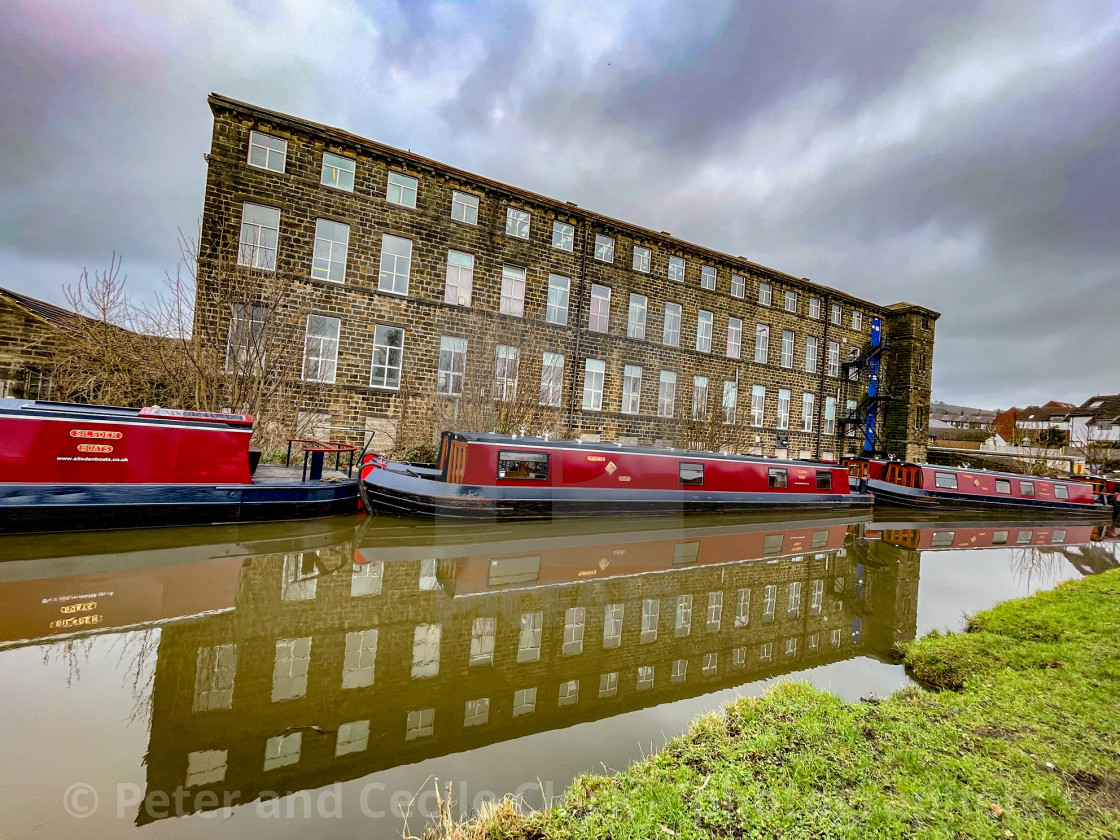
(74, 467)
(928, 486)
(490, 476)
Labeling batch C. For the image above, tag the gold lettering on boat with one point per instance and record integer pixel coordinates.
(76, 621)
(596, 458)
(95, 447)
(96, 434)
(75, 608)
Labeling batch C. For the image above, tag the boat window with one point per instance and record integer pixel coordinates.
(820, 539)
(1024, 537)
(506, 570)
(692, 473)
(1061, 491)
(947, 481)
(824, 479)
(1003, 485)
(772, 543)
(1026, 488)
(942, 538)
(685, 553)
(1059, 535)
(999, 538)
(779, 477)
(523, 465)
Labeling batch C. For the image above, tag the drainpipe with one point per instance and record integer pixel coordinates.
(579, 326)
(822, 366)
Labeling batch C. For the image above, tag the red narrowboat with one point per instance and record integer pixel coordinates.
(928, 486)
(74, 467)
(488, 476)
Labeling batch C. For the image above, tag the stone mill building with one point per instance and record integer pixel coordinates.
(408, 296)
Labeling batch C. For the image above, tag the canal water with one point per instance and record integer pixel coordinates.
(323, 679)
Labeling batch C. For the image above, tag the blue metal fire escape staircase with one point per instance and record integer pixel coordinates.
(861, 377)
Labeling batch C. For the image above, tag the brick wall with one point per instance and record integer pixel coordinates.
(425, 317)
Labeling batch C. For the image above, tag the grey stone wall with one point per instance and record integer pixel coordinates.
(27, 349)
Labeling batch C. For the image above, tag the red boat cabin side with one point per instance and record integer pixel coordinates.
(982, 483)
(513, 463)
(85, 445)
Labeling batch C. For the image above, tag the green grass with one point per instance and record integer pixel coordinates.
(1019, 736)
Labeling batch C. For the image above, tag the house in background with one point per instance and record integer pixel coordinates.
(1095, 426)
(29, 331)
(966, 418)
(957, 438)
(1046, 424)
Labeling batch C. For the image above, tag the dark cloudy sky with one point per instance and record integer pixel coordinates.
(960, 155)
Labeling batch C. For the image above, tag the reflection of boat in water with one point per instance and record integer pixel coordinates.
(66, 467)
(71, 583)
(540, 554)
(1091, 548)
(489, 476)
(952, 533)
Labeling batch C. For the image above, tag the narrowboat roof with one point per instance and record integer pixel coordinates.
(1001, 473)
(563, 443)
(150, 414)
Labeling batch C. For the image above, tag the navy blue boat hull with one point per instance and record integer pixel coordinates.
(421, 494)
(47, 507)
(896, 495)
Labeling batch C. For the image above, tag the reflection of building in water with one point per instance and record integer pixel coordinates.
(329, 670)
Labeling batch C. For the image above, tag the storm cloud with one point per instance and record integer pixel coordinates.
(960, 155)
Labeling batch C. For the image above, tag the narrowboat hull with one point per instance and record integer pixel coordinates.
(404, 489)
(69, 507)
(887, 494)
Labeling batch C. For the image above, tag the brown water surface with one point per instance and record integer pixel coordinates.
(313, 679)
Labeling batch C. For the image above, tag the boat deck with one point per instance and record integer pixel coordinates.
(271, 474)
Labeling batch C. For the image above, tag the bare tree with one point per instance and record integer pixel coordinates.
(103, 353)
(244, 335)
(239, 347)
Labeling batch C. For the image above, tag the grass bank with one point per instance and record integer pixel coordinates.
(1019, 738)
